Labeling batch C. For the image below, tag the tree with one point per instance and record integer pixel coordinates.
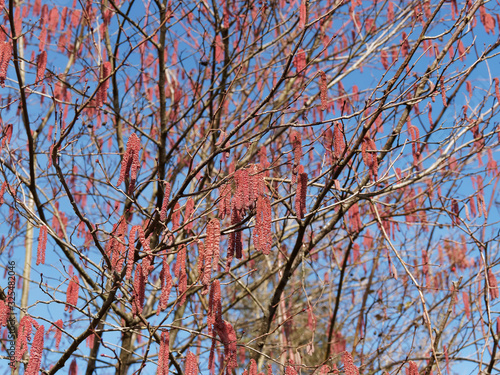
(295, 187)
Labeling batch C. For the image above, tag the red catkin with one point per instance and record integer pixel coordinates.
(349, 367)
(139, 290)
(413, 369)
(497, 90)
(23, 336)
(176, 217)
(338, 140)
(130, 161)
(41, 64)
(164, 205)
(443, 92)
(301, 195)
(5, 55)
(4, 313)
(72, 293)
(303, 14)
(58, 334)
(323, 90)
(163, 353)
(191, 364)
(492, 280)
(35, 359)
(42, 244)
(73, 367)
(296, 140)
(188, 213)
(165, 284)
(224, 200)
(300, 61)
(180, 272)
(262, 236)
(102, 95)
(369, 153)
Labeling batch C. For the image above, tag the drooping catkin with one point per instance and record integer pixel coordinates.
(163, 353)
(213, 241)
(413, 368)
(35, 359)
(301, 195)
(139, 288)
(42, 244)
(166, 285)
(296, 140)
(188, 213)
(369, 153)
(73, 367)
(262, 236)
(4, 313)
(191, 364)
(41, 64)
(492, 280)
(130, 162)
(338, 140)
(303, 14)
(23, 336)
(349, 367)
(323, 90)
(180, 272)
(164, 204)
(5, 55)
(443, 92)
(224, 200)
(102, 94)
(58, 334)
(72, 293)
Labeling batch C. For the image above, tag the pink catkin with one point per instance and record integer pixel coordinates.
(349, 367)
(492, 280)
(296, 140)
(225, 200)
(4, 313)
(130, 162)
(262, 236)
(497, 91)
(164, 205)
(58, 334)
(166, 285)
(139, 290)
(369, 153)
(176, 217)
(72, 293)
(163, 353)
(42, 244)
(53, 19)
(180, 272)
(191, 364)
(35, 359)
(73, 367)
(23, 336)
(323, 90)
(103, 89)
(41, 64)
(413, 369)
(227, 335)
(300, 61)
(5, 55)
(465, 299)
(188, 214)
(443, 92)
(338, 140)
(303, 14)
(301, 195)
